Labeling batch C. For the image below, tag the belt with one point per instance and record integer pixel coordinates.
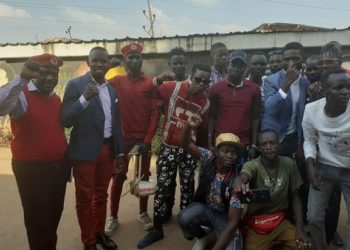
(108, 140)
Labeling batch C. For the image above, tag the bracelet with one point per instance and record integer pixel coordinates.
(155, 82)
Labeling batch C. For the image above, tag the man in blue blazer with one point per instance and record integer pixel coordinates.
(285, 99)
(90, 107)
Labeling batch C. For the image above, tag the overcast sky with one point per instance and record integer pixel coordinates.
(37, 20)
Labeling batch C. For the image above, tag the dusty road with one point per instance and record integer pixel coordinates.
(13, 235)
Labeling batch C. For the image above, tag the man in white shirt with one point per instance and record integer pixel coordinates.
(326, 127)
(285, 98)
(91, 108)
(219, 58)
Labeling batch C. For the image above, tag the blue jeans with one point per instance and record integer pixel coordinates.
(198, 214)
(318, 202)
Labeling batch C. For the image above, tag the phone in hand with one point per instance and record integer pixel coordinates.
(255, 196)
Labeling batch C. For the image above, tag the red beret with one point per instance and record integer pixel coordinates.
(130, 48)
(47, 60)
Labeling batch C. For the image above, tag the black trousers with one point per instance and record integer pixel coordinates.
(42, 187)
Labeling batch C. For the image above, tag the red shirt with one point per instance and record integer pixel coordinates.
(38, 135)
(178, 108)
(139, 115)
(234, 112)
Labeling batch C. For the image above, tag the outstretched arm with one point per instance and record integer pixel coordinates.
(185, 138)
(213, 110)
(151, 88)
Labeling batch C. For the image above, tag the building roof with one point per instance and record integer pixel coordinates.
(264, 28)
(250, 40)
(282, 27)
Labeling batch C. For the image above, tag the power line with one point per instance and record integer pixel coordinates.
(305, 5)
(96, 9)
(49, 6)
(56, 20)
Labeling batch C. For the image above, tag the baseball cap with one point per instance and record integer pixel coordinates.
(228, 138)
(238, 54)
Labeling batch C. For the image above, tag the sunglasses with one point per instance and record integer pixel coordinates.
(321, 62)
(201, 81)
(311, 69)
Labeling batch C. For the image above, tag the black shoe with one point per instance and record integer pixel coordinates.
(105, 242)
(150, 238)
(90, 247)
(337, 240)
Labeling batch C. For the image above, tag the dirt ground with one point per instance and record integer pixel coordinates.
(13, 235)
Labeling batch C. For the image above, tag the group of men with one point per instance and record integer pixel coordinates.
(258, 129)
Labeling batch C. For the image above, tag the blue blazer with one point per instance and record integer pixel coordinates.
(278, 111)
(87, 134)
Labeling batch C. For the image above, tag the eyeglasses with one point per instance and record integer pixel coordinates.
(201, 82)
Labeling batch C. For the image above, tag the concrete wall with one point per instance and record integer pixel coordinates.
(155, 50)
(193, 43)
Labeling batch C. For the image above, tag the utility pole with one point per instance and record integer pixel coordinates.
(68, 31)
(151, 18)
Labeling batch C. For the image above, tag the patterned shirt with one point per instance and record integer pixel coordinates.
(214, 198)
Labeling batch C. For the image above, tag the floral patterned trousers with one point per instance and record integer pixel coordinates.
(169, 159)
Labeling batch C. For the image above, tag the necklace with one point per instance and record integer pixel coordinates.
(272, 179)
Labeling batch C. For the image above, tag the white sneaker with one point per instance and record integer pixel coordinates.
(146, 221)
(200, 244)
(111, 226)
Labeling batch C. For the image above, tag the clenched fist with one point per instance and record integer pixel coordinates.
(91, 91)
(30, 71)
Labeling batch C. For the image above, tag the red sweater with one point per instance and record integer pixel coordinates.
(139, 115)
(234, 108)
(38, 134)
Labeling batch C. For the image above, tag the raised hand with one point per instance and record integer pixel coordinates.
(165, 76)
(194, 121)
(90, 91)
(30, 71)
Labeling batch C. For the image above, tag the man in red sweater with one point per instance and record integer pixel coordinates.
(181, 100)
(139, 122)
(235, 107)
(38, 147)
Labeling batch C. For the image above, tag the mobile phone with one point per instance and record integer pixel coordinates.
(255, 196)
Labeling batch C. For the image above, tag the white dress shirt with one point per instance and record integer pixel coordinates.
(106, 105)
(295, 93)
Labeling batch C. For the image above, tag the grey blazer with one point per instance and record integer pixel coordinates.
(87, 124)
(278, 111)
